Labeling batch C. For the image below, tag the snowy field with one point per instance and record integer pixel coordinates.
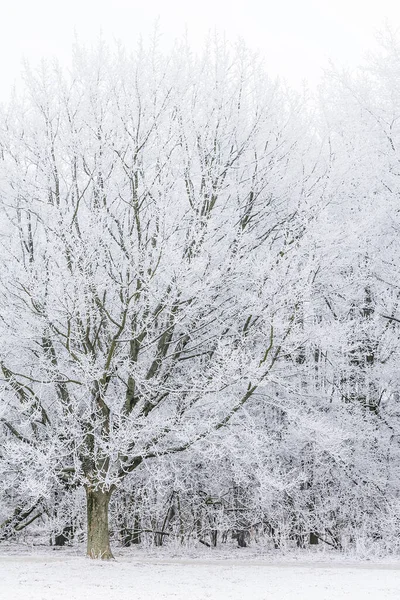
(47, 575)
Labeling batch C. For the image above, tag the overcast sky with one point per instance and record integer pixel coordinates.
(296, 36)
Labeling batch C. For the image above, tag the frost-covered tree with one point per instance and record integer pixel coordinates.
(355, 298)
(153, 218)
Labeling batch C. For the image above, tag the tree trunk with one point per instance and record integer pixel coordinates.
(314, 539)
(98, 537)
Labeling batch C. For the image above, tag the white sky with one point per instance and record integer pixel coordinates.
(296, 36)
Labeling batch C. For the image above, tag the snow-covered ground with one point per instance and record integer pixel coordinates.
(64, 575)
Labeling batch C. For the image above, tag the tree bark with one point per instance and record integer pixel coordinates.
(98, 535)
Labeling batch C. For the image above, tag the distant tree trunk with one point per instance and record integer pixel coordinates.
(132, 535)
(136, 539)
(242, 538)
(64, 537)
(313, 539)
(98, 535)
(214, 537)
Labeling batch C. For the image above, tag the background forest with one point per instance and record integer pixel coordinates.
(199, 303)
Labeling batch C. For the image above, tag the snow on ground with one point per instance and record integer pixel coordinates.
(61, 574)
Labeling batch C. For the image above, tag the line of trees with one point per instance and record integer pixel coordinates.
(199, 301)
